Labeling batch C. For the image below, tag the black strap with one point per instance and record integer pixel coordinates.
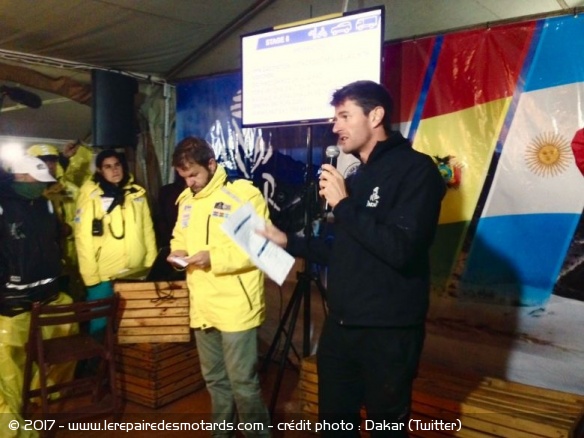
(113, 205)
(117, 200)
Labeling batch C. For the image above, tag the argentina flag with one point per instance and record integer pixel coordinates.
(537, 195)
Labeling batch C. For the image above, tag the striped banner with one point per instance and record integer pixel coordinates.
(467, 100)
(537, 196)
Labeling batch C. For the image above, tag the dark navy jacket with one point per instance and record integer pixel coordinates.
(29, 250)
(379, 263)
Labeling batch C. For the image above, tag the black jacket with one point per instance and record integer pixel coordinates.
(379, 263)
(29, 250)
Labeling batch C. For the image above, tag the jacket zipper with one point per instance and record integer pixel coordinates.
(245, 292)
(238, 277)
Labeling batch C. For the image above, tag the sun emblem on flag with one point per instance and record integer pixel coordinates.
(450, 170)
(548, 154)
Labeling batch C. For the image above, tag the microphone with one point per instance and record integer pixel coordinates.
(331, 152)
(21, 96)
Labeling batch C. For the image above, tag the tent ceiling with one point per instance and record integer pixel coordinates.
(174, 39)
(153, 36)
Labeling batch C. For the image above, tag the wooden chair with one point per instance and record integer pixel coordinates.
(92, 396)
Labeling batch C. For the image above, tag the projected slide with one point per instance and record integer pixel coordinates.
(290, 74)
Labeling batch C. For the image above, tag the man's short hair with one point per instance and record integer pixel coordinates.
(368, 95)
(192, 150)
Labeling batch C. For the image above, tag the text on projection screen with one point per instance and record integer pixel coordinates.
(290, 74)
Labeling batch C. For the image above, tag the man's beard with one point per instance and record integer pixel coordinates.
(209, 178)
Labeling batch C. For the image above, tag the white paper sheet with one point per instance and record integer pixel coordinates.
(241, 227)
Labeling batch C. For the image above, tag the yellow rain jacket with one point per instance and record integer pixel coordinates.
(14, 331)
(79, 169)
(63, 195)
(128, 240)
(229, 295)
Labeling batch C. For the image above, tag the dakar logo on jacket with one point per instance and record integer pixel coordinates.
(374, 198)
(221, 209)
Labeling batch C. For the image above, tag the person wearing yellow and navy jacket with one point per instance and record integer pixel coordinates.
(226, 290)
(113, 227)
(63, 196)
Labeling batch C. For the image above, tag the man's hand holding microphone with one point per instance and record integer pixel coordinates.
(331, 183)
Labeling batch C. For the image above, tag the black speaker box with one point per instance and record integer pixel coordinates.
(114, 121)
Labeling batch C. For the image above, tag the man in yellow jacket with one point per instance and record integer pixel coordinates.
(113, 226)
(226, 290)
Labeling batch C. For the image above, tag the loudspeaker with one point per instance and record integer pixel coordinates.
(114, 121)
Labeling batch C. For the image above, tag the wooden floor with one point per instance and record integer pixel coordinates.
(195, 408)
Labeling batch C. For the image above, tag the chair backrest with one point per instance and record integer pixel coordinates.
(75, 344)
(46, 315)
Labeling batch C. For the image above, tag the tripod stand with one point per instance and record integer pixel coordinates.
(301, 293)
(287, 325)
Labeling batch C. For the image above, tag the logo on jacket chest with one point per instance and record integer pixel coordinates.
(15, 230)
(221, 209)
(186, 215)
(374, 198)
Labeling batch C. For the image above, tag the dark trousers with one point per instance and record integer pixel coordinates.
(372, 367)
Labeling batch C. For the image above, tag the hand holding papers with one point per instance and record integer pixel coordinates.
(179, 261)
(241, 227)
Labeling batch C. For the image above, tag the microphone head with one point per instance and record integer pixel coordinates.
(332, 151)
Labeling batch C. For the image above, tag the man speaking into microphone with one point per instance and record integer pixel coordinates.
(385, 216)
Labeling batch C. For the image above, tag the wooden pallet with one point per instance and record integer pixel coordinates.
(485, 406)
(153, 312)
(154, 375)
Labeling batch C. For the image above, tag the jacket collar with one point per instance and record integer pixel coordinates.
(394, 140)
(219, 179)
(130, 189)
